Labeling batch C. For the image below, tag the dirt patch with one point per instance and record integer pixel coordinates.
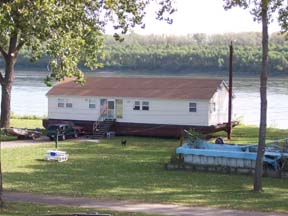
(127, 206)
(24, 143)
(79, 214)
(39, 141)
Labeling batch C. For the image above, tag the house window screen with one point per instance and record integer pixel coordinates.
(192, 107)
(110, 105)
(213, 107)
(136, 105)
(61, 102)
(92, 103)
(145, 105)
(68, 104)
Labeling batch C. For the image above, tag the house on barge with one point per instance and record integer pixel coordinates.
(153, 106)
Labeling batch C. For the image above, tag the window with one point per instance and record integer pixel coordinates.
(64, 103)
(212, 107)
(61, 102)
(136, 105)
(111, 105)
(145, 105)
(68, 104)
(92, 103)
(192, 107)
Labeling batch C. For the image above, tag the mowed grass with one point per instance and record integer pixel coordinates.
(136, 172)
(27, 209)
(26, 123)
(247, 134)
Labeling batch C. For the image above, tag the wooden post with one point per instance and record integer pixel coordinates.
(56, 138)
(229, 126)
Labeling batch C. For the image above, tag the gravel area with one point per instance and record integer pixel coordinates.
(127, 206)
(39, 141)
(24, 143)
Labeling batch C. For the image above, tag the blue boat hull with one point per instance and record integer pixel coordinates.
(234, 156)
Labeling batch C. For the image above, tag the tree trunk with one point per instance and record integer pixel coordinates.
(229, 133)
(6, 105)
(7, 82)
(5, 108)
(1, 182)
(263, 96)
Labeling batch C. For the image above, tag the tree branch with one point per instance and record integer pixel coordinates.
(13, 43)
(19, 46)
(1, 79)
(4, 54)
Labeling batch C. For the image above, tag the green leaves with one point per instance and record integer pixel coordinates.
(277, 9)
(69, 32)
(228, 4)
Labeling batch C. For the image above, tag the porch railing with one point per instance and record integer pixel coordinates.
(100, 119)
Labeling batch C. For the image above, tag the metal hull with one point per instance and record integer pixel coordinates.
(202, 153)
(219, 161)
(23, 133)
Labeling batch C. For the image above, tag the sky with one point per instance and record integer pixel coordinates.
(203, 16)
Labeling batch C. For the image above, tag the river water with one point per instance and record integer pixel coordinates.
(29, 98)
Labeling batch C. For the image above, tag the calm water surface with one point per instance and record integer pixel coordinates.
(28, 98)
(247, 102)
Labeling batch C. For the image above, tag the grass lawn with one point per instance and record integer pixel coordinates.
(246, 134)
(136, 173)
(26, 123)
(25, 209)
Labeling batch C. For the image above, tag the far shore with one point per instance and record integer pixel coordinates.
(106, 72)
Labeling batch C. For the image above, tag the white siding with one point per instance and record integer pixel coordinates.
(220, 99)
(160, 111)
(79, 111)
(165, 112)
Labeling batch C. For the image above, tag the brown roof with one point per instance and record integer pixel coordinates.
(156, 87)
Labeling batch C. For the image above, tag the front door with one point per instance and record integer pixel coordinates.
(111, 109)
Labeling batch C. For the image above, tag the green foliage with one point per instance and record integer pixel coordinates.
(192, 53)
(276, 10)
(194, 137)
(68, 32)
(198, 52)
(15, 116)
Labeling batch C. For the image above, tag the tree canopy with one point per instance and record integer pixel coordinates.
(68, 32)
(198, 53)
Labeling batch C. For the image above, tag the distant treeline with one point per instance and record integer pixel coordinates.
(191, 53)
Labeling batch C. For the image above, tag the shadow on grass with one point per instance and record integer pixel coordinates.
(110, 171)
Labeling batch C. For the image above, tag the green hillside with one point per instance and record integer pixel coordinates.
(181, 54)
